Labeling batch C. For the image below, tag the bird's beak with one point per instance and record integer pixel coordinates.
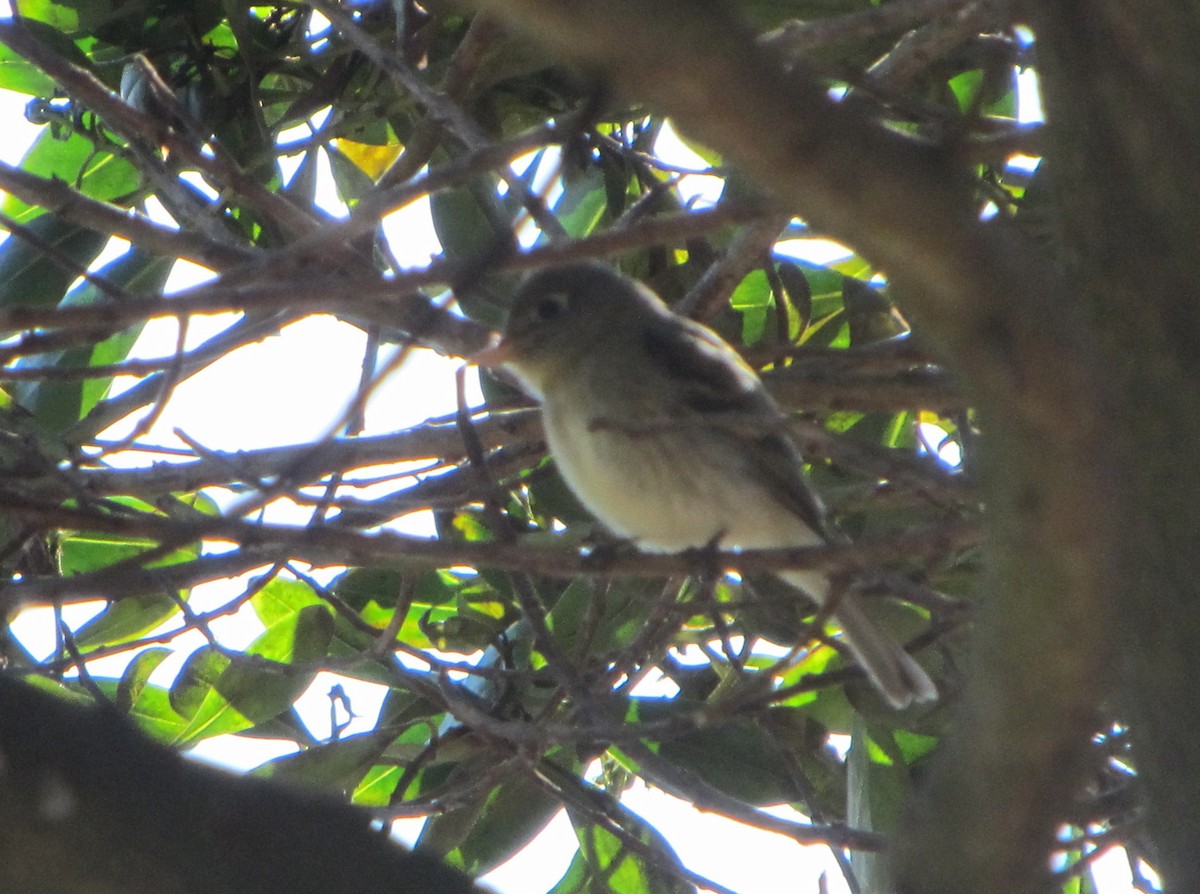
(495, 355)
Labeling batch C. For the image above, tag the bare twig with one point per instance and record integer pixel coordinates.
(687, 785)
(331, 545)
(802, 36)
(58, 197)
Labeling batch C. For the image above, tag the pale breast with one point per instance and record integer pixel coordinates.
(669, 488)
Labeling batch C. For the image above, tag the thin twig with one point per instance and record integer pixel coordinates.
(802, 36)
(57, 197)
(331, 545)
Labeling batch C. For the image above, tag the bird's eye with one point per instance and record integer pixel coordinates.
(551, 307)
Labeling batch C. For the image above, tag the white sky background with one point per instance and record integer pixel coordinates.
(294, 387)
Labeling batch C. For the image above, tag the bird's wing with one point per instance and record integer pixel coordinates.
(711, 380)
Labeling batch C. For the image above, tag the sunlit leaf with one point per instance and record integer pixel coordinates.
(125, 620)
(611, 865)
(371, 160)
(98, 174)
(137, 674)
(261, 684)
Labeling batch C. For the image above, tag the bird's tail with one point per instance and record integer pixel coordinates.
(892, 670)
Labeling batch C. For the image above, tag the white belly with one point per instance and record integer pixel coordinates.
(670, 491)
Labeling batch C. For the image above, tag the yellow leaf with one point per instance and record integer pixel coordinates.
(371, 160)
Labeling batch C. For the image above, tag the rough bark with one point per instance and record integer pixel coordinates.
(1122, 86)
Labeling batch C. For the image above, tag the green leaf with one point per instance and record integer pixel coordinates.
(58, 15)
(965, 87)
(877, 790)
(860, 803)
(913, 746)
(377, 786)
(608, 865)
(879, 779)
(444, 832)
(582, 203)
(440, 597)
(797, 292)
(885, 429)
(241, 133)
(627, 602)
(81, 553)
(98, 174)
(23, 77)
(995, 96)
(870, 313)
(249, 692)
(752, 298)
(200, 502)
(738, 758)
(29, 278)
(551, 498)
(334, 765)
(246, 694)
(126, 620)
(58, 405)
(360, 587)
(32, 80)
(198, 675)
(469, 220)
(481, 836)
(59, 689)
(153, 713)
(137, 674)
(281, 599)
(136, 272)
(295, 639)
(421, 723)
(468, 526)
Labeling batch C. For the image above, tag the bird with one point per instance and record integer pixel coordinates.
(672, 441)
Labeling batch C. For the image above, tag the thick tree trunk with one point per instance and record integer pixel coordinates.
(1122, 90)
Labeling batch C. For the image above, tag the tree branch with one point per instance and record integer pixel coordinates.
(71, 205)
(803, 36)
(331, 545)
(74, 818)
